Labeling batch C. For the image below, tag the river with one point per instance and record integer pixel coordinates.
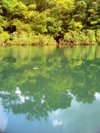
(49, 89)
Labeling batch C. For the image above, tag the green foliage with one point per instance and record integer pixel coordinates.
(94, 14)
(54, 26)
(1, 19)
(1, 12)
(80, 11)
(52, 17)
(91, 35)
(60, 5)
(1, 30)
(43, 40)
(98, 36)
(78, 37)
(19, 38)
(75, 25)
(20, 26)
(30, 39)
(4, 36)
(32, 7)
(20, 9)
(9, 5)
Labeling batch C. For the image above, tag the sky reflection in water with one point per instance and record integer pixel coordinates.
(79, 118)
(50, 91)
(3, 118)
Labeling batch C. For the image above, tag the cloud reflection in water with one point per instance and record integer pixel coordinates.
(3, 119)
(79, 118)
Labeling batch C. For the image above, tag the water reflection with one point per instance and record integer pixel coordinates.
(58, 85)
(3, 118)
(79, 118)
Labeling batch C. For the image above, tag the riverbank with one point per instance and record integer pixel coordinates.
(71, 38)
(58, 23)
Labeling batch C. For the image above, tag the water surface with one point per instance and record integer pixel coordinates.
(50, 90)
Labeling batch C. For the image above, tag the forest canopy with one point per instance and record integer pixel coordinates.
(44, 21)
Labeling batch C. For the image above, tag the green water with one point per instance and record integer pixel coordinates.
(50, 90)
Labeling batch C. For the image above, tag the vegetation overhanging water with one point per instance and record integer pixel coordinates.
(49, 22)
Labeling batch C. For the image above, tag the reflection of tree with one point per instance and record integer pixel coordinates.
(52, 84)
(31, 108)
(36, 106)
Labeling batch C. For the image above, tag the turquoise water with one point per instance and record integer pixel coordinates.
(50, 90)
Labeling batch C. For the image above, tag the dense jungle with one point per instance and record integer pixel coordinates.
(48, 22)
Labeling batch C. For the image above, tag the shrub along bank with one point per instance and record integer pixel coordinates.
(38, 22)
